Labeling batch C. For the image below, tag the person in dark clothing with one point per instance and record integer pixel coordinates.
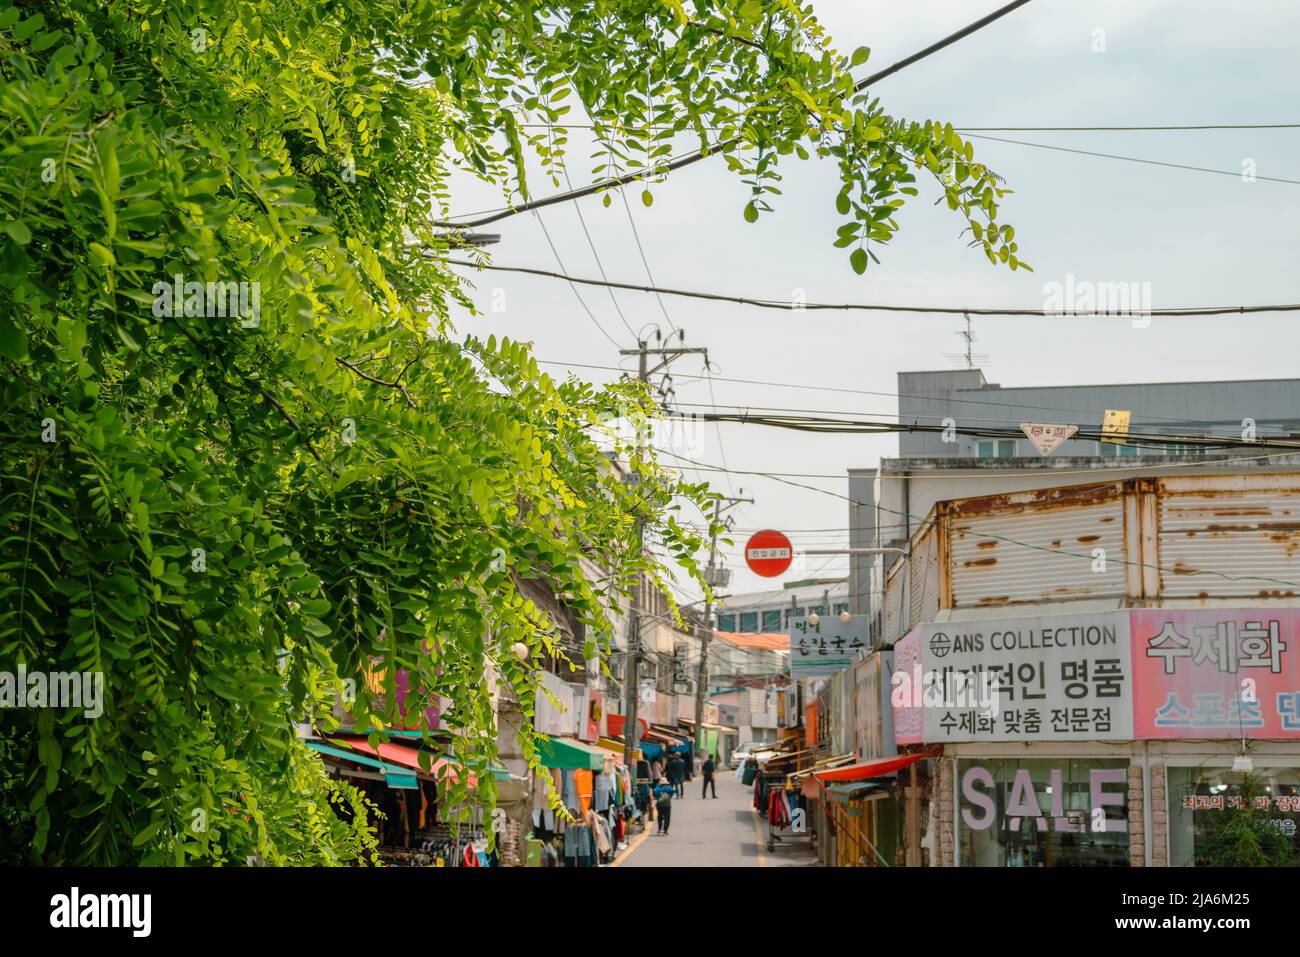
(676, 773)
(664, 804)
(708, 769)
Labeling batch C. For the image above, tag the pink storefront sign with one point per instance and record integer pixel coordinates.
(1216, 673)
(908, 717)
(432, 714)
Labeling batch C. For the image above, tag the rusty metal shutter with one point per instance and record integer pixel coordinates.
(1214, 529)
(1037, 553)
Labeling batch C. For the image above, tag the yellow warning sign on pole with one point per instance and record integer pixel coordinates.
(1114, 427)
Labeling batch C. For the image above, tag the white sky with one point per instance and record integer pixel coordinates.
(1198, 238)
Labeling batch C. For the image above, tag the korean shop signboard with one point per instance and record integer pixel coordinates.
(1064, 678)
(826, 647)
(1216, 673)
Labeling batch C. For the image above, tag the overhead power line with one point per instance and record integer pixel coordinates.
(1134, 428)
(964, 475)
(923, 520)
(582, 302)
(1195, 127)
(1126, 129)
(898, 395)
(577, 208)
(824, 424)
(791, 306)
(1132, 159)
(695, 157)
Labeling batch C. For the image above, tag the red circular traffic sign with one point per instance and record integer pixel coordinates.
(768, 553)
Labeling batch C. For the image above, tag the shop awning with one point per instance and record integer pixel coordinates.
(394, 777)
(651, 749)
(609, 744)
(570, 754)
(675, 740)
(658, 737)
(615, 724)
(407, 757)
(847, 792)
(708, 724)
(872, 769)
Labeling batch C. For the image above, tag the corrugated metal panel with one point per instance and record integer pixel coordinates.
(1214, 529)
(924, 570)
(894, 605)
(1050, 559)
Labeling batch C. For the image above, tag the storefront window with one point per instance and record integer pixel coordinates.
(1211, 810)
(1049, 812)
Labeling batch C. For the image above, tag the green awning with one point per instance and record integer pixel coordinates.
(570, 754)
(394, 777)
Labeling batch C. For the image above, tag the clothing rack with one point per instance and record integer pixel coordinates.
(765, 785)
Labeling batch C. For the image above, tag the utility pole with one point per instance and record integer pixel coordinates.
(712, 579)
(632, 672)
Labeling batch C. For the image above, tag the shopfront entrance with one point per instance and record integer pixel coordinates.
(1213, 810)
(1042, 812)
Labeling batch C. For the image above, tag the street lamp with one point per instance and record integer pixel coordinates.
(907, 572)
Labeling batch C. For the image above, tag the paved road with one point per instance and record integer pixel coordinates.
(721, 832)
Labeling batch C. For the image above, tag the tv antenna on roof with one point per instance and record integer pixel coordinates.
(967, 356)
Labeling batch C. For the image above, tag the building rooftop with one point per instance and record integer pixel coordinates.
(759, 640)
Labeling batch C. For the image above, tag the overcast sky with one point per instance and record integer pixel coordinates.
(1197, 238)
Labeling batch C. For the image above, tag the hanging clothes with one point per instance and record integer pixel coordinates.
(582, 784)
(600, 828)
(602, 791)
(569, 789)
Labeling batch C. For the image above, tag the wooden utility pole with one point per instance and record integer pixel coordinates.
(632, 672)
(712, 579)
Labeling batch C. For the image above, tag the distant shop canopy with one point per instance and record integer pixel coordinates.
(872, 769)
(570, 754)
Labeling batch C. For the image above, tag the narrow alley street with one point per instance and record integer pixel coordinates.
(725, 832)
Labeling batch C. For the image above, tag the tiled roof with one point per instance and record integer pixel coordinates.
(766, 641)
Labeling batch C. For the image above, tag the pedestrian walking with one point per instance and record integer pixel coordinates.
(676, 773)
(708, 770)
(664, 804)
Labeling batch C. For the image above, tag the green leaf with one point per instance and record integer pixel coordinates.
(147, 833)
(751, 213)
(646, 198)
(101, 255)
(13, 342)
(18, 232)
(858, 260)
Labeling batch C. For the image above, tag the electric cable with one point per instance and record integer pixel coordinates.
(1134, 159)
(585, 308)
(698, 155)
(791, 306)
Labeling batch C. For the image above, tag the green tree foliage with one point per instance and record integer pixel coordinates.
(234, 501)
(1245, 836)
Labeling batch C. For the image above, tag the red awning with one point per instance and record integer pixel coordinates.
(872, 769)
(615, 723)
(407, 757)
